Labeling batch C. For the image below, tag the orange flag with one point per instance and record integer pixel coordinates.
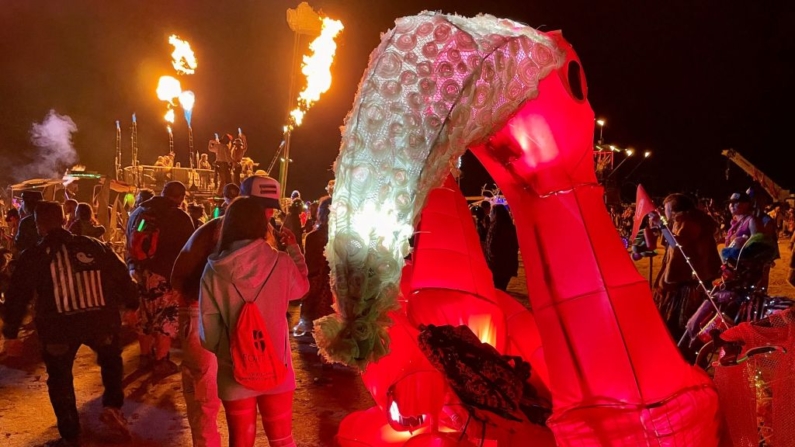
(643, 206)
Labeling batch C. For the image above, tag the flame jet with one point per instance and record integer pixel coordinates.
(316, 68)
(183, 59)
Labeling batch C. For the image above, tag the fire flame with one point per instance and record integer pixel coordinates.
(317, 69)
(168, 88)
(187, 99)
(183, 59)
(170, 116)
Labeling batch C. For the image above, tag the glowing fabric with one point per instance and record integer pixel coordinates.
(451, 283)
(405, 378)
(438, 84)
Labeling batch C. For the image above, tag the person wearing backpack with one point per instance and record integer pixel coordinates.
(245, 290)
(199, 366)
(156, 232)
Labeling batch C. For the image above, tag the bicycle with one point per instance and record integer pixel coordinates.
(738, 300)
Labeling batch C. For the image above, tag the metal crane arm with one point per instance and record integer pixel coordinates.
(776, 192)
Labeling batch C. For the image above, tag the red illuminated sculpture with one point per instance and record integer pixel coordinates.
(517, 98)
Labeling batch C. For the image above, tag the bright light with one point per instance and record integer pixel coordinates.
(629, 152)
(614, 149)
(647, 154)
(600, 122)
(168, 88)
(380, 223)
(317, 69)
(394, 412)
(187, 99)
(169, 116)
(183, 59)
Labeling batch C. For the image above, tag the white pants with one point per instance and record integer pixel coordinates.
(199, 387)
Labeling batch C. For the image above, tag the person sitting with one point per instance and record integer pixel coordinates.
(744, 224)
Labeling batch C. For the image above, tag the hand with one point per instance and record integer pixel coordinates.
(286, 237)
(654, 220)
(14, 347)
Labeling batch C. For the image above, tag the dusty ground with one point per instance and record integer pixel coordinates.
(156, 409)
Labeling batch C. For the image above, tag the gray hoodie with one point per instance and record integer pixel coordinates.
(247, 264)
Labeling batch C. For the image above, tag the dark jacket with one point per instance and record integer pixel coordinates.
(175, 228)
(502, 249)
(79, 284)
(27, 236)
(694, 231)
(188, 268)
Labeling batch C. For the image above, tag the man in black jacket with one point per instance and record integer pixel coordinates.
(79, 284)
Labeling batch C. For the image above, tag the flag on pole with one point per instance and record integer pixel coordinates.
(643, 206)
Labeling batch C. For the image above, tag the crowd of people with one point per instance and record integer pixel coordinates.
(189, 268)
(182, 276)
(700, 256)
(230, 165)
(781, 212)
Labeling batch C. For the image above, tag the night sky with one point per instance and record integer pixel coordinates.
(684, 79)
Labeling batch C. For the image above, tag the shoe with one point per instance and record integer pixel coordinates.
(114, 419)
(300, 329)
(164, 367)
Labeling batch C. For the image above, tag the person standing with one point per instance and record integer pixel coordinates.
(223, 159)
(10, 231)
(236, 154)
(27, 236)
(84, 223)
(248, 267)
(502, 247)
(156, 232)
(292, 220)
(677, 293)
(78, 285)
(199, 366)
(69, 208)
(318, 302)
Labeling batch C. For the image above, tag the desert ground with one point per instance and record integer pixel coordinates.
(155, 407)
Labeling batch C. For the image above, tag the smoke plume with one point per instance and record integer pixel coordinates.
(54, 150)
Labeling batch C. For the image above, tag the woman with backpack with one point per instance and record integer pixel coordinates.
(245, 290)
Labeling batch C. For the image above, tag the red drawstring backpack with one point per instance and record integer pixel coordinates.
(254, 360)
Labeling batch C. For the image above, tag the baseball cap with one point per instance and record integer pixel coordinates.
(264, 188)
(739, 197)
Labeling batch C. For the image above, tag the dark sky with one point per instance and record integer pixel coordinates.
(685, 79)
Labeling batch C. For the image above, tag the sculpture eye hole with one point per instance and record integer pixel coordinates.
(576, 80)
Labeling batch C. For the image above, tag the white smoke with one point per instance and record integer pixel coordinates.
(54, 150)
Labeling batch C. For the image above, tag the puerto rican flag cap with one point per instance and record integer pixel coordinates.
(263, 188)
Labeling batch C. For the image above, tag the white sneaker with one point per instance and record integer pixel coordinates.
(114, 419)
